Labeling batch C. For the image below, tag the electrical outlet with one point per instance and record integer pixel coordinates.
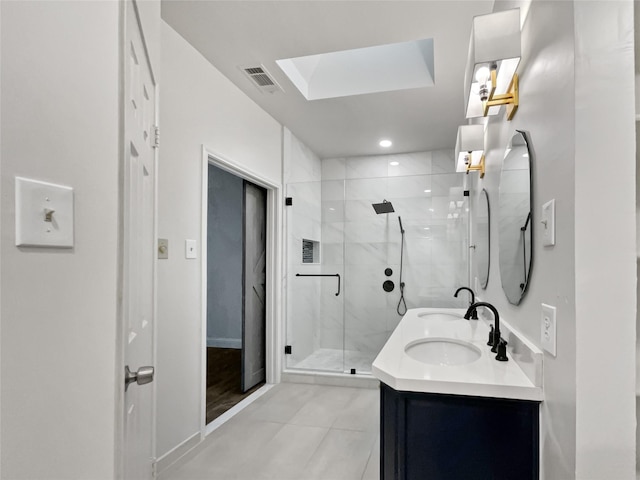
(548, 329)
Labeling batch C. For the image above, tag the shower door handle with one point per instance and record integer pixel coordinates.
(143, 376)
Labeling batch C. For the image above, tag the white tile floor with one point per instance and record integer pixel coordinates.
(296, 432)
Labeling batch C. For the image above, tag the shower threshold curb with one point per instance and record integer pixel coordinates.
(332, 379)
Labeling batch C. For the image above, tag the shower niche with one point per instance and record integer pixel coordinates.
(310, 251)
(338, 316)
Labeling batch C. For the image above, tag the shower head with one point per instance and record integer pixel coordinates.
(384, 207)
(400, 222)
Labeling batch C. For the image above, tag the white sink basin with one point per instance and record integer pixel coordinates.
(443, 351)
(440, 316)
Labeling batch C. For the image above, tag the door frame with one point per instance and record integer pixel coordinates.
(273, 267)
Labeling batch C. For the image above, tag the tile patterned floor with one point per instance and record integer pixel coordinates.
(293, 432)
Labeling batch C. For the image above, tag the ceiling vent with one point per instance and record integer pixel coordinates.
(262, 79)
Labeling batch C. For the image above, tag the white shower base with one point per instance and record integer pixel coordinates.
(335, 360)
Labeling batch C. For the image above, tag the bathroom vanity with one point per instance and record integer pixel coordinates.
(448, 409)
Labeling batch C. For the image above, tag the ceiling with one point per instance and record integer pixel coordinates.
(238, 33)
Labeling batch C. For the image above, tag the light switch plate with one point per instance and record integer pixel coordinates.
(549, 223)
(163, 248)
(44, 214)
(548, 329)
(190, 249)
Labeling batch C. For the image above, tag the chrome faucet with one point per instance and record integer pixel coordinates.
(474, 314)
(498, 345)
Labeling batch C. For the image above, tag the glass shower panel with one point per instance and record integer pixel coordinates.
(367, 240)
(434, 251)
(314, 278)
(449, 231)
(413, 201)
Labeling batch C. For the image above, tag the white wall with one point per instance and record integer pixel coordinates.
(198, 106)
(60, 123)
(584, 160)
(605, 162)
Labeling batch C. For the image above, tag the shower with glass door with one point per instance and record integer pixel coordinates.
(353, 270)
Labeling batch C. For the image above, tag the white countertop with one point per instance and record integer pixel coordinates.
(485, 377)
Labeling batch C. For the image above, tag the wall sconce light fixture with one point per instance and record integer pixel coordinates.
(469, 153)
(494, 54)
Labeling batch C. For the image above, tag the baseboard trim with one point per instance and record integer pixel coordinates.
(229, 414)
(224, 342)
(175, 454)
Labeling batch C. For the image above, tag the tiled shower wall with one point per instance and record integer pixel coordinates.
(428, 196)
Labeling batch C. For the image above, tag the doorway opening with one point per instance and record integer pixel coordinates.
(236, 229)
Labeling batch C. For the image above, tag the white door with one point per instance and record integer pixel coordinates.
(139, 250)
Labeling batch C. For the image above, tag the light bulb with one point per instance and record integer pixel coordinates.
(482, 75)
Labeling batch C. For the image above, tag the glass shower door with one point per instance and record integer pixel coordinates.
(314, 338)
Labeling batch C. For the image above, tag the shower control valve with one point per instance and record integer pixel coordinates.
(388, 286)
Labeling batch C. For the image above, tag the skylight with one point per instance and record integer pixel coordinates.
(384, 68)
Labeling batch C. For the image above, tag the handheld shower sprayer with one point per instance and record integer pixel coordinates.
(402, 305)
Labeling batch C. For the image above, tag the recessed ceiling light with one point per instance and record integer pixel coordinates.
(431, 210)
(427, 191)
(394, 164)
(426, 228)
(385, 143)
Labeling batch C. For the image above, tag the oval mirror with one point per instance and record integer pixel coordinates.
(514, 218)
(483, 238)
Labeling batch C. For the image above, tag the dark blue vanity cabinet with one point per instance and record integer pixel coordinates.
(426, 436)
